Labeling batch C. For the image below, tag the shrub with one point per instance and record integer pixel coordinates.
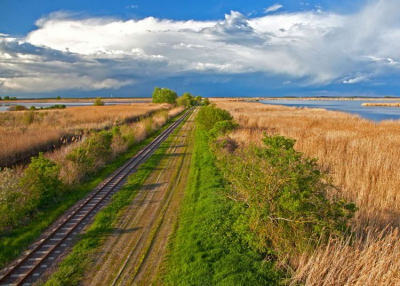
(206, 101)
(17, 108)
(164, 95)
(14, 203)
(281, 198)
(92, 154)
(6, 98)
(98, 102)
(208, 116)
(41, 182)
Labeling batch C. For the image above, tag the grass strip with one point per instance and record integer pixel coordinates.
(14, 242)
(203, 250)
(71, 268)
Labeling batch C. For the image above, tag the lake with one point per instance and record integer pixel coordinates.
(4, 105)
(375, 113)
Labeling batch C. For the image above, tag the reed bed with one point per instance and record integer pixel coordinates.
(382, 104)
(362, 158)
(25, 133)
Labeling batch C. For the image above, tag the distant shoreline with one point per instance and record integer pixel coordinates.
(380, 104)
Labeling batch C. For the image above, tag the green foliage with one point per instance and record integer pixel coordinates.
(204, 250)
(14, 240)
(13, 200)
(164, 95)
(198, 98)
(17, 108)
(206, 101)
(98, 102)
(187, 100)
(92, 153)
(40, 181)
(209, 115)
(13, 98)
(0, 98)
(32, 107)
(58, 97)
(281, 198)
(222, 127)
(71, 269)
(6, 98)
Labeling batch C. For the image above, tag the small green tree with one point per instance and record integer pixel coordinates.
(58, 97)
(164, 95)
(206, 101)
(6, 98)
(98, 102)
(198, 98)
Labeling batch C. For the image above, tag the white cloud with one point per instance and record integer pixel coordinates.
(273, 8)
(357, 79)
(314, 48)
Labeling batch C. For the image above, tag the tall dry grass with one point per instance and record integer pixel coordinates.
(23, 134)
(382, 104)
(363, 159)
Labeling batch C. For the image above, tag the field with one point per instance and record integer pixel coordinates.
(362, 158)
(23, 134)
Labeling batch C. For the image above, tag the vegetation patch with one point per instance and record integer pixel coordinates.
(71, 269)
(204, 250)
(30, 203)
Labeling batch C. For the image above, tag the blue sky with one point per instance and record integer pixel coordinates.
(213, 48)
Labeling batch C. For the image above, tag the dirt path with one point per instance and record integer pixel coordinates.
(133, 253)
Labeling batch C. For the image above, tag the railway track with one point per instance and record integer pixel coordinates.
(44, 253)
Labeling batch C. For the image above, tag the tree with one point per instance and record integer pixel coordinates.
(6, 98)
(206, 101)
(164, 95)
(98, 102)
(0, 97)
(198, 98)
(58, 97)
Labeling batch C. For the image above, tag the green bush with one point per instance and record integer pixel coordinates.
(206, 101)
(164, 95)
(281, 198)
(41, 181)
(93, 153)
(98, 102)
(14, 202)
(209, 115)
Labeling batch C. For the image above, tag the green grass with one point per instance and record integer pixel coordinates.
(72, 267)
(204, 250)
(14, 242)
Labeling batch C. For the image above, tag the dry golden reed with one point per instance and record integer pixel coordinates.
(382, 104)
(363, 159)
(26, 132)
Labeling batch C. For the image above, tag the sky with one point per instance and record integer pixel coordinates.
(80, 48)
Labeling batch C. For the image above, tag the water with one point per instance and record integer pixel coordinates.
(375, 113)
(4, 105)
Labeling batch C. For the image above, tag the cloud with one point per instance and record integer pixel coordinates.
(357, 79)
(308, 48)
(272, 8)
(132, 7)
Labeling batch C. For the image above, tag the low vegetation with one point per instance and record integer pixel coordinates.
(204, 250)
(24, 134)
(48, 185)
(71, 269)
(361, 157)
(249, 211)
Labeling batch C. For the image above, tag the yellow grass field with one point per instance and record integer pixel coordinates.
(362, 157)
(26, 132)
